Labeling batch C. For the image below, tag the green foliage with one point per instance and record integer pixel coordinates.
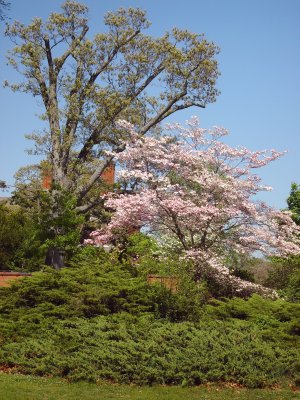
(18, 239)
(58, 221)
(240, 264)
(292, 292)
(187, 304)
(285, 277)
(255, 309)
(21, 387)
(96, 286)
(293, 202)
(139, 251)
(124, 348)
(97, 283)
(26, 233)
(139, 244)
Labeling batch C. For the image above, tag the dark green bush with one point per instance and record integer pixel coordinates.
(99, 319)
(285, 277)
(18, 241)
(99, 288)
(97, 283)
(124, 348)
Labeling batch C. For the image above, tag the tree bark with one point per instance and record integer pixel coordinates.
(55, 257)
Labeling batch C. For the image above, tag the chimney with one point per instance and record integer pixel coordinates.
(46, 179)
(108, 175)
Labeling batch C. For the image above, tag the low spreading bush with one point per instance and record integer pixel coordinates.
(99, 319)
(127, 349)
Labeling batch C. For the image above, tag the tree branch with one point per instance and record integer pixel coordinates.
(92, 140)
(94, 177)
(168, 111)
(164, 112)
(49, 59)
(87, 207)
(110, 58)
(72, 117)
(40, 79)
(59, 62)
(43, 87)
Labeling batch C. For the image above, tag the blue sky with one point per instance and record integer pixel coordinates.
(259, 82)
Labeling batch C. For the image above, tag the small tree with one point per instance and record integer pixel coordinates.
(293, 202)
(198, 192)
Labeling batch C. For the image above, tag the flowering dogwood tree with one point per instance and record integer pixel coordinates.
(196, 190)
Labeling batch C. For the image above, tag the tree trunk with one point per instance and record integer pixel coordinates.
(55, 257)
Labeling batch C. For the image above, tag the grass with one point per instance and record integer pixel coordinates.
(20, 387)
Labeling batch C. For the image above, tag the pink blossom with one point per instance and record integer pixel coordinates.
(199, 191)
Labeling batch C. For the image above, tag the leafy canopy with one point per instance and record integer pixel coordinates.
(293, 202)
(85, 84)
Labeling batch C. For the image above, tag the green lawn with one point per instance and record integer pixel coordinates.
(19, 387)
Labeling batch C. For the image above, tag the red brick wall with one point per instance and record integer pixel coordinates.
(170, 282)
(6, 278)
(107, 176)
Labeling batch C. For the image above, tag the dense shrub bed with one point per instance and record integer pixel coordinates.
(123, 348)
(101, 320)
